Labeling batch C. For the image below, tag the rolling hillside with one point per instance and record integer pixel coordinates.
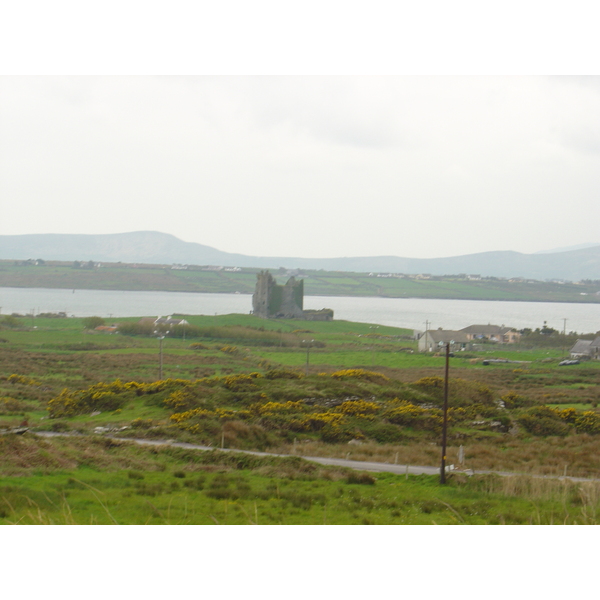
(150, 247)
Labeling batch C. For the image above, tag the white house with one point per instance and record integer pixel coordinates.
(435, 339)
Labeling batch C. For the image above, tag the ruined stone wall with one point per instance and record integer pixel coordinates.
(262, 294)
(283, 301)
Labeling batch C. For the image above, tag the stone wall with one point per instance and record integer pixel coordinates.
(271, 300)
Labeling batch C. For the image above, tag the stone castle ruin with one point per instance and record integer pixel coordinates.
(273, 301)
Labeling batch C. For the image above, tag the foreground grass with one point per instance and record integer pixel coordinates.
(97, 481)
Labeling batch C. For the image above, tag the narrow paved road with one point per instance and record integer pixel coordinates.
(338, 462)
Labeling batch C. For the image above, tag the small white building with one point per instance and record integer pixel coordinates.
(435, 339)
(586, 349)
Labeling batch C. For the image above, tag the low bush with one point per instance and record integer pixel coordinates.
(382, 433)
(543, 421)
(92, 322)
(283, 374)
(359, 374)
(11, 406)
(409, 415)
(588, 422)
(360, 478)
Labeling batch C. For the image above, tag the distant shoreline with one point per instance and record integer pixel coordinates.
(332, 293)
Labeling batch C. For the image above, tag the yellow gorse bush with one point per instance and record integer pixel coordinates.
(278, 407)
(588, 422)
(189, 414)
(229, 349)
(201, 413)
(177, 400)
(22, 379)
(105, 396)
(236, 381)
(358, 374)
(358, 408)
(318, 420)
(65, 405)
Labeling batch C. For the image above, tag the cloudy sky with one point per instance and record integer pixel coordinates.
(302, 165)
(306, 166)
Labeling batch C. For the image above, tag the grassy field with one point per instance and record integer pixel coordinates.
(244, 382)
(96, 481)
(321, 283)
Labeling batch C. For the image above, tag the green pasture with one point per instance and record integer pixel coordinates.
(122, 484)
(97, 480)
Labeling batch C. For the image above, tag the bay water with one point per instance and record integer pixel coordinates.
(410, 313)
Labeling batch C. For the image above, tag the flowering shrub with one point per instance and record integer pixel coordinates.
(233, 382)
(158, 386)
(66, 405)
(69, 404)
(543, 420)
(359, 374)
(105, 396)
(410, 415)
(316, 421)
(358, 408)
(189, 414)
(22, 379)
(271, 408)
(588, 422)
(181, 400)
(514, 400)
(229, 349)
(569, 415)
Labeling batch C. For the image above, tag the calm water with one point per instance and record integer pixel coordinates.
(399, 312)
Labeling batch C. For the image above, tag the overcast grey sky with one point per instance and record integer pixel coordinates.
(297, 165)
(306, 166)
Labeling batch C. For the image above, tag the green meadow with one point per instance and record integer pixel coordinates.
(295, 388)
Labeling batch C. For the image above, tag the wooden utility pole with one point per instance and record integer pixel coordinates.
(308, 345)
(160, 358)
(445, 421)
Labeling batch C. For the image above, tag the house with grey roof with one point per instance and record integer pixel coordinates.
(492, 333)
(435, 339)
(586, 349)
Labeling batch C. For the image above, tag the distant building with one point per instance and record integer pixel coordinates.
(107, 328)
(271, 300)
(586, 349)
(170, 321)
(162, 323)
(492, 333)
(435, 339)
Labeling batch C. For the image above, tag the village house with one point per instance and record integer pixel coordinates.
(492, 333)
(435, 339)
(162, 323)
(168, 321)
(586, 349)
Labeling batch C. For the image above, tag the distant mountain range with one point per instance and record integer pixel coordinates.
(567, 248)
(152, 247)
